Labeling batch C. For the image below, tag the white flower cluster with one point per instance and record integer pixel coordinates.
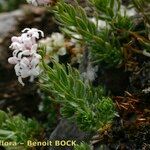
(55, 45)
(25, 56)
(39, 2)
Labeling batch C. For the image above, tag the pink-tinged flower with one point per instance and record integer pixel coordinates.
(25, 56)
(24, 42)
(13, 60)
(33, 33)
(28, 67)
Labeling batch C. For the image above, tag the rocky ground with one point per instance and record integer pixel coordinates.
(131, 127)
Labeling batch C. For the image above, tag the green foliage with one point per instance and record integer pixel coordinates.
(104, 44)
(108, 8)
(9, 5)
(82, 146)
(143, 6)
(17, 128)
(81, 102)
(69, 16)
(123, 22)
